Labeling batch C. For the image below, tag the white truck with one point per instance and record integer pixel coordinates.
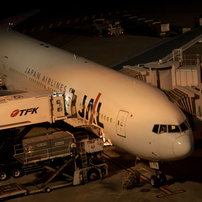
(78, 161)
(24, 109)
(39, 151)
(83, 159)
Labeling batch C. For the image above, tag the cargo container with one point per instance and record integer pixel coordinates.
(45, 147)
(159, 29)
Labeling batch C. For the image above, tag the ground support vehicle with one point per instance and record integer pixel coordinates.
(106, 28)
(159, 29)
(143, 26)
(24, 109)
(62, 158)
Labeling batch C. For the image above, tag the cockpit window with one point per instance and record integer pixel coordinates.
(173, 129)
(155, 129)
(159, 129)
(183, 127)
(163, 129)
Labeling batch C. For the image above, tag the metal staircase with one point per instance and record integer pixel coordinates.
(132, 180)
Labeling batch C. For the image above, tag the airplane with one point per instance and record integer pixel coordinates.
(131, 114)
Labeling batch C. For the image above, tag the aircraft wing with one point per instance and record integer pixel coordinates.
(10, 92)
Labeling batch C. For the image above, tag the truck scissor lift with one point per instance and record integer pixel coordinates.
(24, 110)
(83, 157)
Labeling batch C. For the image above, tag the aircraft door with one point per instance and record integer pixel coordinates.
(71, 103)
(68, 99)
(121, 123)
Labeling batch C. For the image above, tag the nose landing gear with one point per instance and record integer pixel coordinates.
(159, 179)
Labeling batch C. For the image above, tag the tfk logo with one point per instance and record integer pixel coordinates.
(15, 113)
(24, 112)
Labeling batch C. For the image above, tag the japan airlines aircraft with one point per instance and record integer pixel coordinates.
(131, 114)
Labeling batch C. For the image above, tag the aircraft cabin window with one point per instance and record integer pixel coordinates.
(173, 129)
(163, 129)
(183, 127)
(155, 129)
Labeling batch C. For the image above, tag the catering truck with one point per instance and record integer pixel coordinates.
(77, 161)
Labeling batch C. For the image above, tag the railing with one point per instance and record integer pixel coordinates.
(42, 154)
(191, 59)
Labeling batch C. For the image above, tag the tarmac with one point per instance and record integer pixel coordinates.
(184, 181)
(184, 176)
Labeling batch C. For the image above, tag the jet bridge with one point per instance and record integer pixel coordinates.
(188, 98)
(183, 97)
(180, 79)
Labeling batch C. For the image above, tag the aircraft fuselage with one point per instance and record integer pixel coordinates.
(131, 113)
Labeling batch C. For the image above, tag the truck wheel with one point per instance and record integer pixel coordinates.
(16, 172)
(3, 175)
(93, 174)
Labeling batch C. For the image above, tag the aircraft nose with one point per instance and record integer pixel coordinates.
(183, 146)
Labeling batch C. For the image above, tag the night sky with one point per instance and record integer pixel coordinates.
(71, 7)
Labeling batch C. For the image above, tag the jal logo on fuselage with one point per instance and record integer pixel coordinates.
(87, 112)
(24, 112)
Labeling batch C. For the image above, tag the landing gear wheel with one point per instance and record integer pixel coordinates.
(155, 182)
(163, 179)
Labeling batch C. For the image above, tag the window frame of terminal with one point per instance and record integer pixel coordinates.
(163, 128)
